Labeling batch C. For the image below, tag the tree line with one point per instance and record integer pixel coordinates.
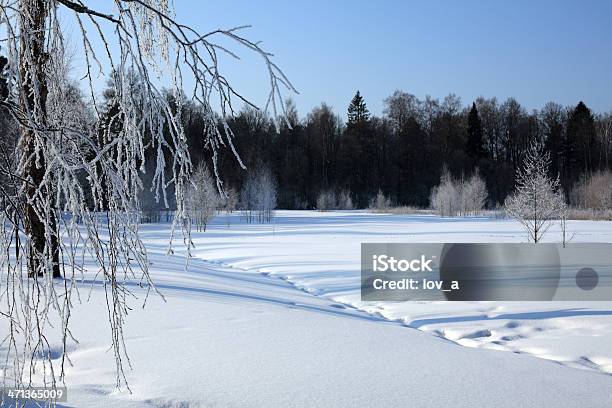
(404, 152)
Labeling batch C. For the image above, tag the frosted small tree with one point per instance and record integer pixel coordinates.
(266, 195)
(61, 162)
(248, 197)
(345, 202)
(202, 197)
(473, 194)
(479, 192)
(538, 199)
(464, 194)
(380, 202)
(453, 197)
(444, 198)
(326, 200)
(258, 196)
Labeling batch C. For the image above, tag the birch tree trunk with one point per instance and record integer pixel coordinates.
(43, 241)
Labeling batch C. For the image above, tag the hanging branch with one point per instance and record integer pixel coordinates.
(74, 183)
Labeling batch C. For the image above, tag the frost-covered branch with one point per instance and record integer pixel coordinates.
(71, 190)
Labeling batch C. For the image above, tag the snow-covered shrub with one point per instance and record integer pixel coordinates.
(444, 197)
(266, 198)
(380, 202)
(345, 202)
(593, 191)
(472, 195)
(258, 196)
(202, 197)
(538, 199)
(326, 201)
(248, 197)
(452, 197)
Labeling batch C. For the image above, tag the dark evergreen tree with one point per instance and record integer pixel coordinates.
(357, 111)
(359, 156)
(581, 147)
(474, 148)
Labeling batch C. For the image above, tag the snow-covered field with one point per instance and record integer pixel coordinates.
(319, 253)
(269, 315)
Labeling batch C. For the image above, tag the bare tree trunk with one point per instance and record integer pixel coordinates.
(33, 100)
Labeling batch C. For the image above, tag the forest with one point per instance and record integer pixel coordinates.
(404, 152)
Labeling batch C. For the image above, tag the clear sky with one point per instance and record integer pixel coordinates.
(535, 51)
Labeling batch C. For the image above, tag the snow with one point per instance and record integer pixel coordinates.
(319, 253)
(270, 315)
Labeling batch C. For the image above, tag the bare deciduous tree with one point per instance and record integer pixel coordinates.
(473, 194)
(444, 198)
(258, 196)
(538, 199)
(202, 198)
(135, 42)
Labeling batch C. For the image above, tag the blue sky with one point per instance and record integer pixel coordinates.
(535, 51)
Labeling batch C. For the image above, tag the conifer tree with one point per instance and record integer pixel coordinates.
(357, 111)
(581, 147)
(359, 159)
(475, 144)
